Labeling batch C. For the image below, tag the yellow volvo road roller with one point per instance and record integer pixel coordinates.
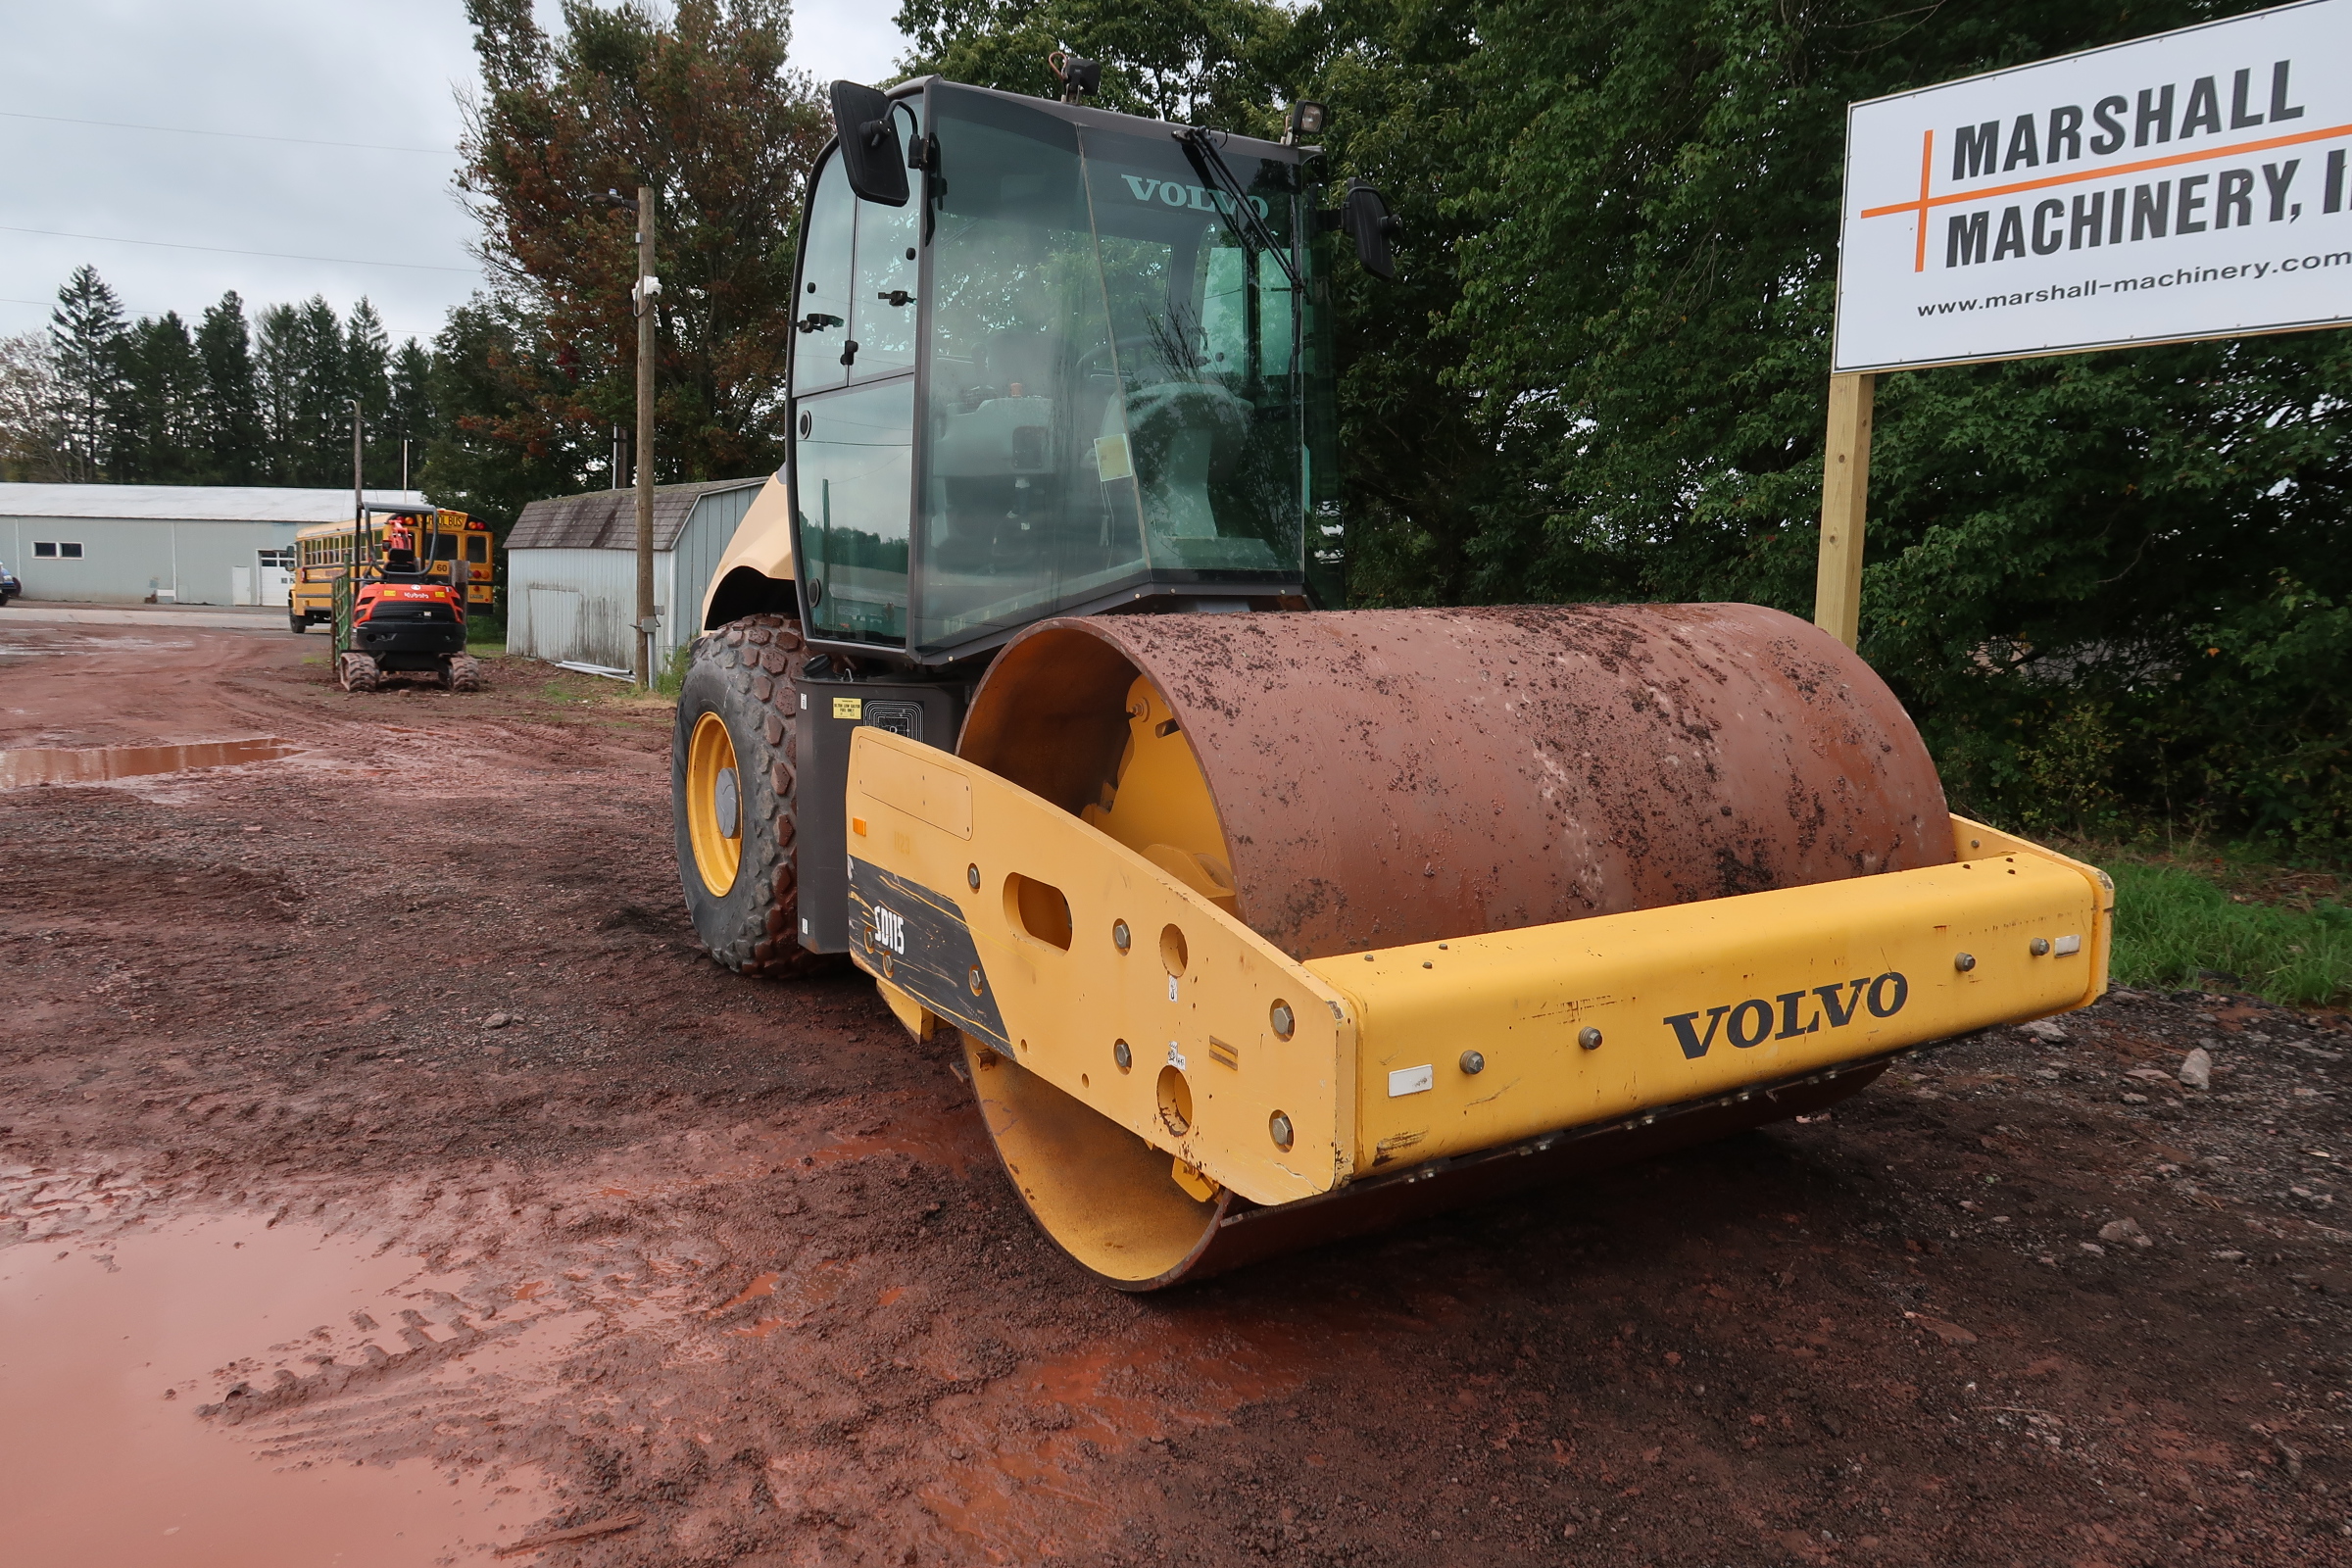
(1260, 921)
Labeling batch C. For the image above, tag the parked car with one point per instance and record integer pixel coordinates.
(11, 585)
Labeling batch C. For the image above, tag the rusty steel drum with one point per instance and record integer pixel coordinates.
(1382, 777)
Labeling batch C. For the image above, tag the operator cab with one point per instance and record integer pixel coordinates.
(1082, 367)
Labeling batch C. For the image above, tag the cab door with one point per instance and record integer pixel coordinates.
(853, 440)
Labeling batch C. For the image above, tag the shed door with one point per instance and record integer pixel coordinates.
(554, 622)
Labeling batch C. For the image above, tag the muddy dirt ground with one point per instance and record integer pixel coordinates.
(309, 1249)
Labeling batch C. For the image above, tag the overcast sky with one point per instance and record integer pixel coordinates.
(380, 72)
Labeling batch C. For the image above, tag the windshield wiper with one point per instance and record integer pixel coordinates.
(1243, 211)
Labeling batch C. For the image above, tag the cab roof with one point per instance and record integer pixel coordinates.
(1107, 118)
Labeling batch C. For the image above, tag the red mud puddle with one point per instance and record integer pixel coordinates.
(97, 1465)
(96, 765)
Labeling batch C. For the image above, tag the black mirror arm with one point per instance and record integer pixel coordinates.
(1245, 214)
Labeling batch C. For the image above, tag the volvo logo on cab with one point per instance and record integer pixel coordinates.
(1751, 1022)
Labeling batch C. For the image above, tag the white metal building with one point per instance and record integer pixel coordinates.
(572, 567)
(127, 544)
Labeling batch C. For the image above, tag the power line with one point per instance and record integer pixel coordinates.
(223, 250)
(233, 135)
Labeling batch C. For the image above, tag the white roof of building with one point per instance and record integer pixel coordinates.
(191, 503)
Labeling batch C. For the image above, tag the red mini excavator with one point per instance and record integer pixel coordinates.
(403, 622)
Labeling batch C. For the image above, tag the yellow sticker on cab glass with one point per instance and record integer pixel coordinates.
(849, 707)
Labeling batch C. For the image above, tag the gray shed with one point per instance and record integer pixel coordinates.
(572, 567)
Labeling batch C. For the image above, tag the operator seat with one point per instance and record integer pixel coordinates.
(1184, 434)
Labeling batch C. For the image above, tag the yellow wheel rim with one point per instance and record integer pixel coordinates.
(714, 805)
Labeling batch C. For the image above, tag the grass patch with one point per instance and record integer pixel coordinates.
(2177, 928)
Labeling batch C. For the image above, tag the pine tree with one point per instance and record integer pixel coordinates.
(87, 328)
(277, 377)
(231, 423)
(322, 388)
(411, 418)
(159, 404)
(367, 377)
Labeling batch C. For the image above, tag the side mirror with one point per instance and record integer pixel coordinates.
(870, 155)
(1364, 215)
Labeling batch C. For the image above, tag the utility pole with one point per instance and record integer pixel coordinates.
(403, 467)
(647, 291)
(359, 495)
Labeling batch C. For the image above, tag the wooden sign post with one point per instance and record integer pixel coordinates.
(1844, 504)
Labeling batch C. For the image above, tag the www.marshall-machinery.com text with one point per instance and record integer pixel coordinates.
(2091, 287)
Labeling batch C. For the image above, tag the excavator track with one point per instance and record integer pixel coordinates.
(357, 672)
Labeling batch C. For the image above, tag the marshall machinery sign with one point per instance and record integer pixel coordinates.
(2188, 185)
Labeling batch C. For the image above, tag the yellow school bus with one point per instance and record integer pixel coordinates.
(447, 540)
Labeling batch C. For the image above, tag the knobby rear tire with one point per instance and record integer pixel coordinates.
(745, 673)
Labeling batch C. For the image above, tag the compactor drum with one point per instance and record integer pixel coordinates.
(1257, 924)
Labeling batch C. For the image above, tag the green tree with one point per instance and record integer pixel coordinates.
(701, 107)
(1191, 61)
(409, 417)
(277, 361)
(494, 444)
(158, 409)
(86, 329)
(232, 422)
(367, 377)
(319, 453)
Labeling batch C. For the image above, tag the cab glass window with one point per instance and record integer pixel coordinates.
(1017, 512)
(821, 326)
(854, 474)
(1113, 388)
(882, 297)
